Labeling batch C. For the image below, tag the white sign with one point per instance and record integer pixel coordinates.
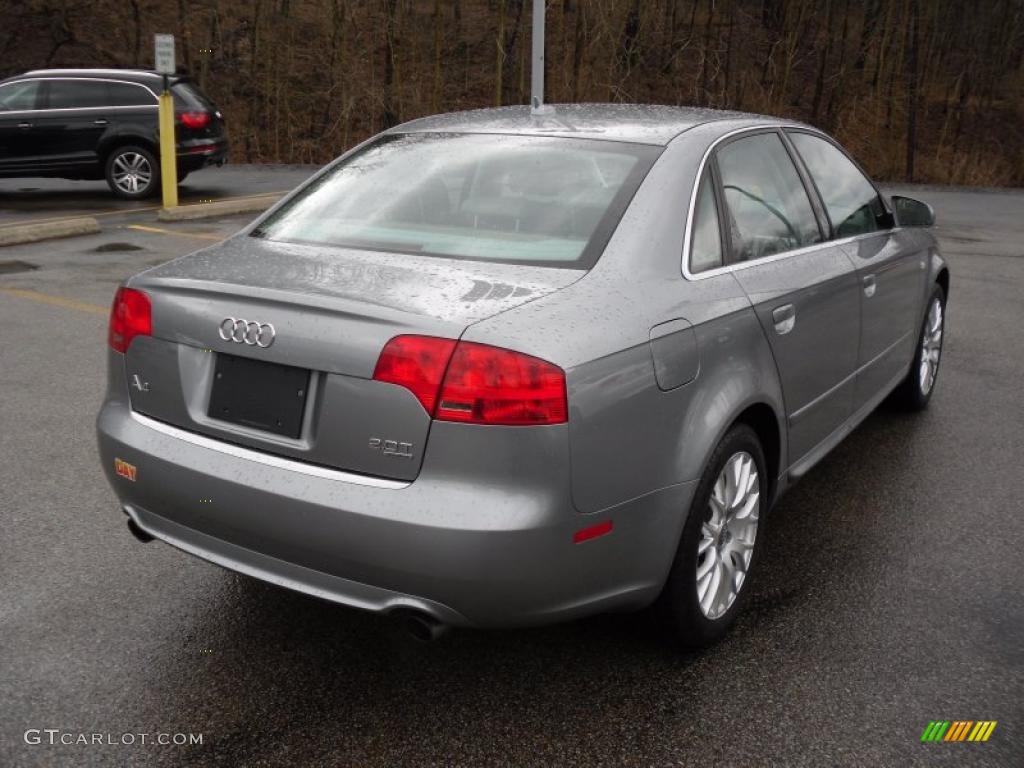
(164, 54)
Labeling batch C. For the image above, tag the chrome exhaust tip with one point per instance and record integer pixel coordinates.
(138, 533)
(423, 628)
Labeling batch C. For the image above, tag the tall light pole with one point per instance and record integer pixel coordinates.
(537, 105)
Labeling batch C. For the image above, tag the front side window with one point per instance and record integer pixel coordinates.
(851, 201)
(77, 94)
(516, 199)
(768, 208)
(706, 251)
(18, 96)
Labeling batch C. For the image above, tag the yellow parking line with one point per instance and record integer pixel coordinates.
(57, 301)
(117, 211)
(159, 231)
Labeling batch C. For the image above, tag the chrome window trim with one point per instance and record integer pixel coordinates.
(146, 88)
(687, 237)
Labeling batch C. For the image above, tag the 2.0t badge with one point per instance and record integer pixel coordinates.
(392, 448)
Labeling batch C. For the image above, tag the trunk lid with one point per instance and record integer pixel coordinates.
(332, 311)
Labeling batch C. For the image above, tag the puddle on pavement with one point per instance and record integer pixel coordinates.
(10, 267)
(115, 247)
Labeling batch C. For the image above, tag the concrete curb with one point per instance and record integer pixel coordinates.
(219, 208)
(16, 234)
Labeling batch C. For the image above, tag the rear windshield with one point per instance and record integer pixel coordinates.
(512, 199)
(188, 97)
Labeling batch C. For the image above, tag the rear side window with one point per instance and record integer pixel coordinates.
(18, 96)
(850, 199)
(706, 249)
(128, 95)
(76, 94)
(768, 208)
(535, 200)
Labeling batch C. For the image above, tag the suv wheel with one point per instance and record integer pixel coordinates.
(721, 541)
(133, 172)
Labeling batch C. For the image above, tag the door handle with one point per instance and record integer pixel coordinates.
(784, 318)
(100, 121)
(869, 286)
(24, 125)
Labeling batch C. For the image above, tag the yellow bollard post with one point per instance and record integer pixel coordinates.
(168, 158)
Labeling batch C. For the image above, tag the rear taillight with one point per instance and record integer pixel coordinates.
(475, 383)
(130, 316)
(416, 363)
(488, 385)
(194, 119)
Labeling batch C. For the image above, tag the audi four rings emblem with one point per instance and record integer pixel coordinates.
(247, 332)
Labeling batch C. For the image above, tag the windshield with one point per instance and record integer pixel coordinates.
(512, 199)
(188, 97)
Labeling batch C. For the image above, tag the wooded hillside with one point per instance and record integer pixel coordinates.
(928, 90)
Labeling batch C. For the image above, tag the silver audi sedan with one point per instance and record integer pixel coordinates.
(495, 368)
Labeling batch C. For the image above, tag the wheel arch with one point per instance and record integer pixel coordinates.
(761, 418)
(942, 278)
(121, 141)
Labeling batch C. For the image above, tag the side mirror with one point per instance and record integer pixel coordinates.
(912, 213)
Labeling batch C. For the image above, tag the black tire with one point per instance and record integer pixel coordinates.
(127, 158)
(182, 175)
(679, 601)
(911, 393)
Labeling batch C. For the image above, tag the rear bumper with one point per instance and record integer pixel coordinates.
(466, 554)
(199, 153)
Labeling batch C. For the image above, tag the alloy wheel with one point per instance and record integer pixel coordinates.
(132, 172)
(727, 535)
(931, 347)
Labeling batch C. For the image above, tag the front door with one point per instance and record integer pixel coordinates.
(19, 143)
(890, 264)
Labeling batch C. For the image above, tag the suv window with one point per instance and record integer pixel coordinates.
(767, 204)
(128, 95)
(18, 96)
(71, 94)
(850, 199)
(706, 251)
(188, 97)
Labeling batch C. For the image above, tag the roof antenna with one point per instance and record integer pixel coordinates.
(537, 105)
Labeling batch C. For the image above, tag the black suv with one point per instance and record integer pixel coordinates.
(102, 123)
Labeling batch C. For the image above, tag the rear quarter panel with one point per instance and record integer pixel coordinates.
(629, 437)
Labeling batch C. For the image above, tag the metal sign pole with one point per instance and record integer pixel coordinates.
(165, 64)
(537, 105)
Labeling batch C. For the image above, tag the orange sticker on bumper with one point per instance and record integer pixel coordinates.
(125, 470)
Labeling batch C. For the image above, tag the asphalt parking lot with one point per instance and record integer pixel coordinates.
(890, 594)
(24, 201)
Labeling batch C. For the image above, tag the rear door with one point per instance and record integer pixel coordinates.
(805, 291)
(889, 262)
(76, 114)
(20, 149)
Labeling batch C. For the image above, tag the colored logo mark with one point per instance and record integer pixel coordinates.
(124, 469)
(958, 730)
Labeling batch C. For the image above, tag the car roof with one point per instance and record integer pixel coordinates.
(635, 123)
(147, 76)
